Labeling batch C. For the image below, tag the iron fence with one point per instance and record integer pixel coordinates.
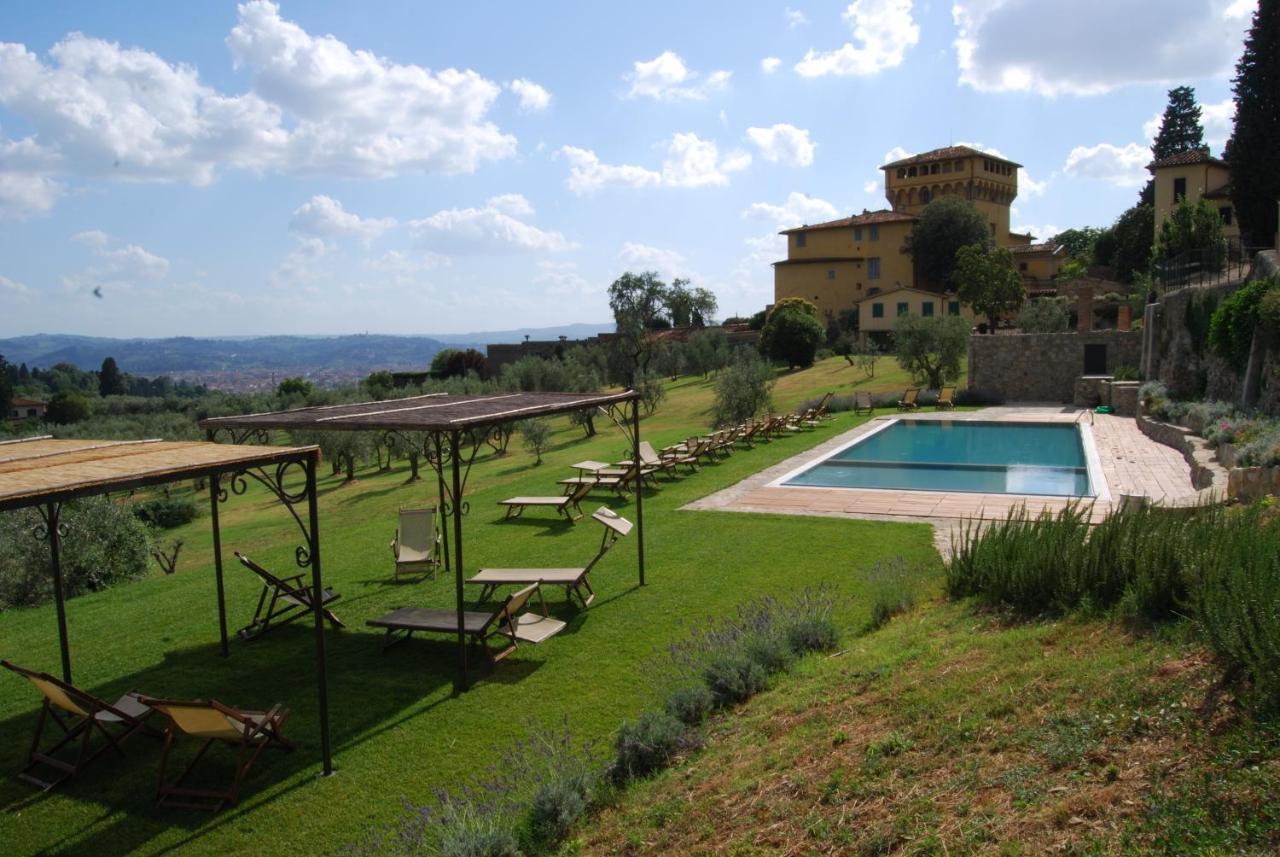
(1207, 266)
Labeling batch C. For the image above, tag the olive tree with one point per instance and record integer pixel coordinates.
(744, 388)
(931, 349)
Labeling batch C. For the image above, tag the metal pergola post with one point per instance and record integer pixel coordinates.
(635, 457)
(317, 601)
(442, 496)
(53, 512)
(217, 562)
(455, 439)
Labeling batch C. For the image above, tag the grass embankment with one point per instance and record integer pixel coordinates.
(398, 730)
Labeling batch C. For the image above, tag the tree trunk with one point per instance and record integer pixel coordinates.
(1253, 372)
(413, 468)
(351, 467)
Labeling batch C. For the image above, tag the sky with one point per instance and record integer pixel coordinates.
(214, 168)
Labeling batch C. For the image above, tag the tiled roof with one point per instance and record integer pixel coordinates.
(19, 401)
(1223, 192)
(866, 218)
(1182, 159)
(947, 153)
(1043, 247)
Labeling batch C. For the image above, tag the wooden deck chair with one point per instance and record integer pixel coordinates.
(946, 399)
(679, 454)
(505, 623)
(574, 580)
(283, 600)
(655, 463)
(823, 410)
(416, 545)
(78, 715)
(862, 403)
(908, 400)
(250, 732)
(566, 504)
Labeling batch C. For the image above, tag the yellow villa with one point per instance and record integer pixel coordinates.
(837, 264)
(1193, 175)
(879, 311)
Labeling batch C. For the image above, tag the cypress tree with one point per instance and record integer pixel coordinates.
(1251, 151)
(109, 381)
(1180, 131)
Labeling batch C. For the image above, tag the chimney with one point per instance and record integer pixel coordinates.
(1084, 309)
(1124, 318)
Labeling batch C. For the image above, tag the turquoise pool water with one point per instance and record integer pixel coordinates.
(960, 455)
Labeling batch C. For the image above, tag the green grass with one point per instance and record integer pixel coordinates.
(398, 729)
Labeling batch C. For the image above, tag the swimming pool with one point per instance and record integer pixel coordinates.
(959, 456)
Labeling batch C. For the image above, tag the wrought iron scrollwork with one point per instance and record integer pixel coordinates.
(243, 435)
(40, 532)
(617, 414)
(275, 479)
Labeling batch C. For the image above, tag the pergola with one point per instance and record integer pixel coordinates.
(44, 473)
(454, 429)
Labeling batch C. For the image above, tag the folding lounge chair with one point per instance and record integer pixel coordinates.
(566, 504)
(946, 399)
(250, 732)
(652, 462)
(283, 600)
(505, 623)
(908, 400)
(416, 546)
(77, 715)
(679, 454)
(823, 408)
(862, 403)
(574, 580)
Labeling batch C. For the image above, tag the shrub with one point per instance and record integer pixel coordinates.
(792, 332)
(734, 678)
(104, 544)
(690, 704)
(651, 389)
(1234, 322)
(536, 433)
(165, 512)
(1125, 373)
(566, 790)
(893, 585)
(1042, 315)
(743, 389)
(648, 744)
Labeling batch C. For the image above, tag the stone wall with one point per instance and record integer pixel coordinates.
(1043, 367)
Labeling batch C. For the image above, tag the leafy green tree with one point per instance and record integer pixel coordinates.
(987, 279)
(792, 332)
(639, 304)
(6, 388)
(380, 384)
(440, 362)
(946, 224)
(744, 388)
(931, 349)
(707, 351)
(110, 381)
(1193, 228)
(296, 387)
(536, 434)
(67, 407)
(651, 389)
(669, 359)
(1134, 236)
(1042, 315)
(460, 363)
(688, 307)
(1078, 243)
(1251, 151)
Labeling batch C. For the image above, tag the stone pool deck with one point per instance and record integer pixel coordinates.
(1131, 463)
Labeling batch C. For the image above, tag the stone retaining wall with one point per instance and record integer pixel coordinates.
(1043, 367)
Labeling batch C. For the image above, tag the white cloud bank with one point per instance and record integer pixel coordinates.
(493, 228)
(783, 144)
(883, 31)
(798, 209)
(1124, 166)
(324, 217)
(667, 78)
(690, 162)
(533, 98)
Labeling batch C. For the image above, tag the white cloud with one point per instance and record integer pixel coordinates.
(587, 174)
(690, 162)
(533, 98)
(1124, 166)
(315, 105)
(13, 287)
(668, 263)
(300, 267)
(897, 153)
(324, 217)
(115, 266)
(1217, 120)
(872, 186)
(1027, 185)
(134, 261)
(769, 65)
(798, 209)
(667, 78)
(561, 279)
(795, 18)
(883, 30)
(95, 238)
(491, 229)
(783, 144)
(1090, 47)
(1039, 233)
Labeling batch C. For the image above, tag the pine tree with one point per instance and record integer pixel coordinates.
(1180, 131)
(110, 383)
(1255, 171)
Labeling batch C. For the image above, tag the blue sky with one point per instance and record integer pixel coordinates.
(221, 168)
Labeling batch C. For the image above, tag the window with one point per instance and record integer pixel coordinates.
(875, 227)
(911, 171)
(873, 268)
(857, 233)
(953, 308)
(946, 168)
(926, 309)
(831, 274)
(1179, 189)
(1224, 212)
(924, 195)
(903, 308)
(877, 310)
(959, 166)
(800, 236)
(933, 169)
(993, 230)
(1022, 266)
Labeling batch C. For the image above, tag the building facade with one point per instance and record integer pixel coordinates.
(27, 409)
(1194, 176)
(879, 311)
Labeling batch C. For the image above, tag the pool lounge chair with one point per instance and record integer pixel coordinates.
(416, 545)
(946, 399)
(283, 600)
(78, 715)
(908, 400)
(862, 403)
(574, 580)
(250, 732)
(505, 623)
(653, 461)
(566, 504)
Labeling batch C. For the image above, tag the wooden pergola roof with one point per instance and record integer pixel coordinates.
(431, 412)
(43, 469)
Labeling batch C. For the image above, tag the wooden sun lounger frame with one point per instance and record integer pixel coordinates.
(259, 730)
(574, 580)
(908, 401)
(946, 399)
(516, 505)
(291, 592)
(861, 396)
(75, 726)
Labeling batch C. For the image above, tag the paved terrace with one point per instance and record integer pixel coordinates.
(1131, 462)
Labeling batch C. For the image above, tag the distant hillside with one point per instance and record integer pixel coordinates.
(485, 337)
(188, 354)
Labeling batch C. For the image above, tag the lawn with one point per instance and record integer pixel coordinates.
(398, 728)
